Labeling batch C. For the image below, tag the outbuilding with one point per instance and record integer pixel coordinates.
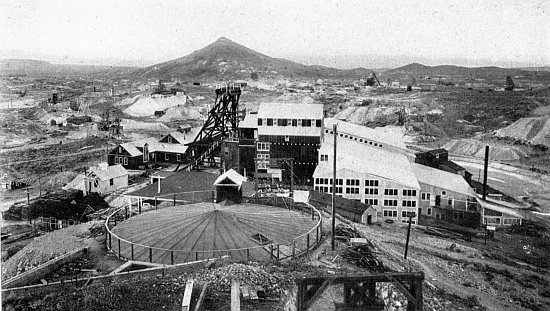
(229, 186)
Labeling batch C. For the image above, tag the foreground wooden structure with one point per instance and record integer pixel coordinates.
(360, 290)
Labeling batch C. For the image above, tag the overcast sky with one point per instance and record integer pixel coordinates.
(345, 34)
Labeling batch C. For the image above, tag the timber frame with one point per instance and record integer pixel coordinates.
(360, 290)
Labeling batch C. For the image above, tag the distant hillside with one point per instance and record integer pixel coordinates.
(31, 67)
(451, 71)
(225, 59)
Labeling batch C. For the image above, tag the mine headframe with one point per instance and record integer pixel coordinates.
(222, 123)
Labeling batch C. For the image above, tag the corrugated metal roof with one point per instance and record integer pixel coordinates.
(380, 135)
(290, 111)
(358, 157)
(442, 179)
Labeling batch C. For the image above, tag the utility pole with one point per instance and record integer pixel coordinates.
(410, 215)
(334, 128)
(29, 205)
(256, 174)
(485, 168)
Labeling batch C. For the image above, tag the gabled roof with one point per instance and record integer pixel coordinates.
(108, 172)
(358, 157)
(442, 179)
(290, 111)
(380, 135)
(166, 147)
(250, 121)
(179, 182)
(231, 175)
(131, 149)
(178, 136)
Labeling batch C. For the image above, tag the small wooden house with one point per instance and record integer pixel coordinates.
(229, 186)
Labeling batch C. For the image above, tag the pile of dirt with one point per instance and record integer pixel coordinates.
(131, 125)
(369, 115)
(535, 130)
(296, 97)
(147, 106)
(45, 248)
(475, 148)
(180, 113)
(128, 101)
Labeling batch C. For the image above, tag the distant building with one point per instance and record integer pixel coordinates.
(439, 158)
(446, 196)
(289, 131)
(105, 179)
(130, 156)
(370, 175)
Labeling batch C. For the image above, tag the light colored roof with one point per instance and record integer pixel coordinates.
(108, 172)
(165, 147)
(379, 134)
(290, 111)
(357, 157)
(131, 148)
(442, 179)
(180, 137)
(250, 121)
(232, 175)
(501, 208)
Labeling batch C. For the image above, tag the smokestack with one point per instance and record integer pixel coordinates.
(485, 168)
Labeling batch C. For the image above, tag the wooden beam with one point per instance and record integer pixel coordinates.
(235, 296)
(186, 302)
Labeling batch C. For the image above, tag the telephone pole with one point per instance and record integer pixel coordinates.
(334, 128)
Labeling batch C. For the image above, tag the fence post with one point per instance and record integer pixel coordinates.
(196, 256)
(171, 257)
(126, 212)
(150, 254)
(317, 234)
(132, 250)
(277, 252)
(110, 246)
(118, 247)
(139, 205)
(155, 203)
(271, 251)
(307, 242)
(248, 254)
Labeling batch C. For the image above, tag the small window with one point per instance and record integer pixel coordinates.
(443, 193)
(111, 182)
(96, 183)
(429, 210)
(259, 122)
(178, 157)
(116, 160)
(166, 157)
(282, 122)
(119, 149)
(306, 122)
(317, 123)
(294, 122)
(170, 139)
(125, 161)
(269, 122)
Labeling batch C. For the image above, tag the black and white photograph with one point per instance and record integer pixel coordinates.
(275, 155)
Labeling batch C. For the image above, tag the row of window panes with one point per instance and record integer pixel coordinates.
(263, 146)
(407, 203)
(263, 161)
(351, 137)
(121, 160)
(404, 213)
(371, 201)
(327, 189)
(324, 157)
(371, 183)
(371, 191)
(352, 182)
(425, 196)
(390, 213)
(409, 193)
(327, 181)
(352, 190)
(390, 191)
(390, 202)
(290, 122)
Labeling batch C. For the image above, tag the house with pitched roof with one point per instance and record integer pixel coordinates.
(105, 179)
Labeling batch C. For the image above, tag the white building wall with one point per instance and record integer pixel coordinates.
(320, 185)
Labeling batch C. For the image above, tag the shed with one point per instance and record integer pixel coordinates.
(370, 215)
(229, 186)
